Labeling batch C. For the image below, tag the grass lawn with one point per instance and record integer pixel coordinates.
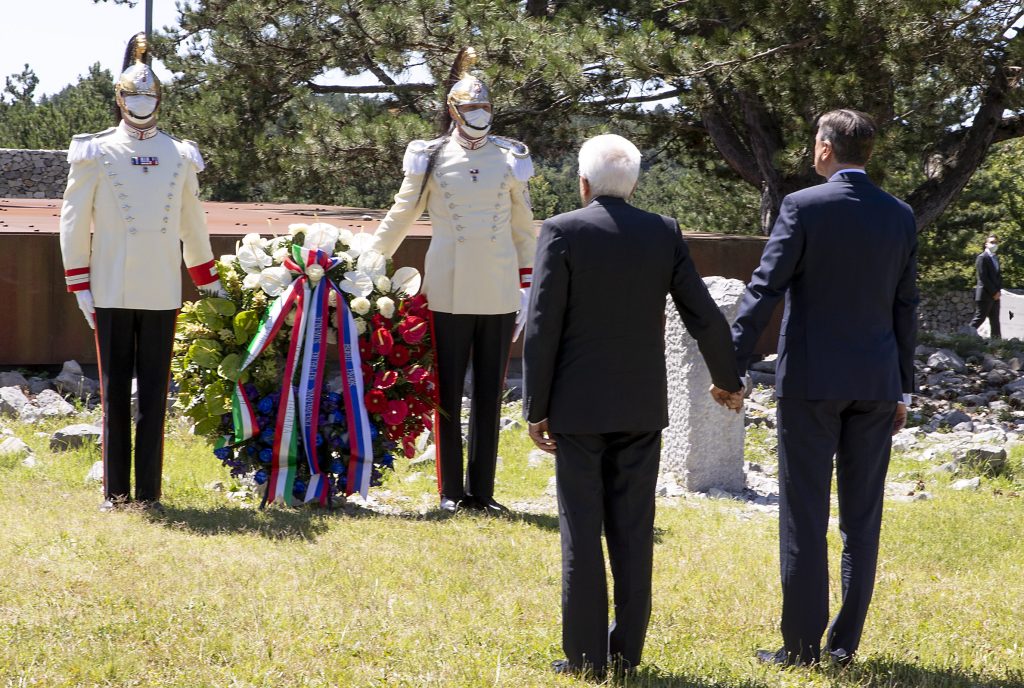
(217, 593)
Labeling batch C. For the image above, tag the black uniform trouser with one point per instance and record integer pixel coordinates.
(606, 481)
(457, 337)
(987, 308)
(134, 342)
(859, 435)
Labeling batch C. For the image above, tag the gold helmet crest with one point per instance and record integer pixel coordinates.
(468, 89)
(138, 78)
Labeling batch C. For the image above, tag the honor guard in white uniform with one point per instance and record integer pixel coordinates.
(477, 274)
(130, 206)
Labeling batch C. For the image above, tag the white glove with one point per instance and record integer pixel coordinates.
(524, 303)
(88, 308)
(214, 289)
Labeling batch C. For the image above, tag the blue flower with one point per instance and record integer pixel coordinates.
(260, 477)
(333, 397)
(336, 466)
(338, 417)
(388, 461)
(299, 490)
(251, 450)
(251, 391)
(374, 432)
(319, 439)
(266, 455)
(267, 436)
(266, 405)
(223, 453)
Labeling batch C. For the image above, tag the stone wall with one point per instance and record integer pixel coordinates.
(33, 173)
(945, 312)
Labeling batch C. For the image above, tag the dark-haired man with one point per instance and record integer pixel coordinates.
(988, 288)
(844, 256)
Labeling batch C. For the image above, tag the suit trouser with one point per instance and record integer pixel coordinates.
(134, 342)
(987, 308)
(606, 480)
(457, 337)
(859, 435)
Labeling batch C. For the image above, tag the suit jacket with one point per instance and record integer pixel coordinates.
(140, 198)
(595, 348)
(844, 255)
(482, 240)
(990, 281)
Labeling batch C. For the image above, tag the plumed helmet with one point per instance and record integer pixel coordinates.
(468, 89)
(138, 78)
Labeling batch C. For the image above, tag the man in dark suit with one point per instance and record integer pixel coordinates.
(596, 391)
(844, 256)
(988, 289)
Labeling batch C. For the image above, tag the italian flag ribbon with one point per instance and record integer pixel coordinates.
(298, 412)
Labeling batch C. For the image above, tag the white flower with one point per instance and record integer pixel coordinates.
(406, 280)
(332, 298)
(253, 239)
(372, 263)
(386, 306)
(383, 284)
(253, 258)
(289, 319)
(228, 258)
(275, 280)
(345, 236)
(321, 236)
(357, 284)
(332, 335)
(360, 326)
(346, 259)
(296, 228)
(315, 272)
(252, 280)
(360, 305)
(364, 241)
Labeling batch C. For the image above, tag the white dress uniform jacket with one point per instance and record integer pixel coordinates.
(140, 197)
(483, 240)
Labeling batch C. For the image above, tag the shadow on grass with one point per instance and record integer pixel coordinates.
(650, 677)
(881, 671)
(308, 523)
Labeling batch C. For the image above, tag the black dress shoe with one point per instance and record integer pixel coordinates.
(448, 504)
(563, 666)
(484, 504)
(153, 506)
(780, 658)
(840, 656)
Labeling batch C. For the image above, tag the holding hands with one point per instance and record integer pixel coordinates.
(730, 400)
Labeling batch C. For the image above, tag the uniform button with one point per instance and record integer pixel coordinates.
(458, 228)
(497, 206)
(447, 194)
(175, 174)
(170, 196)
(444, 185)
(125, 207)
(165, 220)
(493, 239)
(462, 239)
(163, 230)
(451, 205)
(167, 207)
(132, 230)
(456, 217)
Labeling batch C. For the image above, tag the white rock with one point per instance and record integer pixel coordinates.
(74, 436)
(51, 404)
(95, 473)
(12, 401)
(14, 446)
(966, 484)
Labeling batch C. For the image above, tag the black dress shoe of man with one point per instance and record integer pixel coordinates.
(448, 504)
(153, 506)
(840, 657)
(563, 666)
(484, 504)
(780, 658)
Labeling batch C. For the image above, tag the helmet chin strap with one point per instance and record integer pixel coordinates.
(134, 120)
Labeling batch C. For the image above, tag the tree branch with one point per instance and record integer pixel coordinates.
(372, 88)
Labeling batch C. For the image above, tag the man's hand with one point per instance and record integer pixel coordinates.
(214, 289)
(524, 303)
(88, 308)
(730, 400)
(901, 418)
(997, 295)
(541, 437)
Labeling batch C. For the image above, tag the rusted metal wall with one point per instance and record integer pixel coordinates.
(40, 323)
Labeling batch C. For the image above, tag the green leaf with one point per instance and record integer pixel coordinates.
(224, 307)
(205, 353)
(208, 314)
(207, 426)
(230, 367)
(246, 323)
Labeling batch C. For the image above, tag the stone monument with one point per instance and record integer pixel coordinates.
(703, 443)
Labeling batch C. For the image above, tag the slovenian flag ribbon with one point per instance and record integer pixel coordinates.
(299, 408)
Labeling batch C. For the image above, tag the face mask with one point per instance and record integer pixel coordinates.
(141, 106)
(478, 120)
(992, 247)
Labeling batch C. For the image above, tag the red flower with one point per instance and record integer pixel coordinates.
(380, 321)
(382, 341)
(417, 305)
(365, 348)
(419, 407)
(413, 329)
(376, 402)
(393, 432)
(409, 447)
(396, 412)
(385, 379)
(416, 374)
(399, 356)
(367, 372)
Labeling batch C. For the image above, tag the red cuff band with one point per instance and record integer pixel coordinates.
(204, 274)
(77, 279)
(78, 286)
(76, 271)
(525, 277)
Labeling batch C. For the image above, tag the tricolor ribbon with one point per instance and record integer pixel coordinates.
(298, 413)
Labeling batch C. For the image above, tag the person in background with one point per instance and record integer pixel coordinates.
(988, 289)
